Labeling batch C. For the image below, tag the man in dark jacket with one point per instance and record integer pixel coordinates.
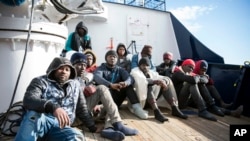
(52, 102)
(119, 82)
(78, 40)
(186, 86)
(167, 67)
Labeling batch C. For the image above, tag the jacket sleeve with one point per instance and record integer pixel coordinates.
(68, 43)
(126, 77)
(187, 78)
(87, 42)
(83, 114)
(160, 69)
(172, 66)
(134, 61)
(32, 98)
(98, 77)
(203, 79)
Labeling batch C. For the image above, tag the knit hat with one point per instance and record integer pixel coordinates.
(144, 60)
(188, 62)
(168, 55)
(111, 52)
(78, 58)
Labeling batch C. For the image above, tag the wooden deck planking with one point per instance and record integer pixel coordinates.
(192, 129)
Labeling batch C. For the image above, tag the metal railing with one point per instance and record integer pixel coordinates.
(150, 4)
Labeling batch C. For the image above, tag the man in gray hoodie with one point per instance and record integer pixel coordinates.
(52, 102)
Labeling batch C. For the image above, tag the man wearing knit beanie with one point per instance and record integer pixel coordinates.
(114, 129)
(186, 86)
(111, 52)
(120, 83)
(188, 62)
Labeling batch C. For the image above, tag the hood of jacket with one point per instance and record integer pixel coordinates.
(82, 25)
(88, 51)
(201, 64)
(57, 63)
(123, 46)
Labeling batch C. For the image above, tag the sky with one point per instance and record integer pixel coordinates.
(221, 25)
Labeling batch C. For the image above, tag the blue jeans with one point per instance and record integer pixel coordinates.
(38, 126)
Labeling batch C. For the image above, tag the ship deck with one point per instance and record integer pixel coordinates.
(176, 129)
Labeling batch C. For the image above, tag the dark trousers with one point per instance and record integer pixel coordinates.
(119, 96)
(191, 92)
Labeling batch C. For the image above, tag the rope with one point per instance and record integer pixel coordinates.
(11, 120)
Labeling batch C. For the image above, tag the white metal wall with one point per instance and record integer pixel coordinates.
(160, 32)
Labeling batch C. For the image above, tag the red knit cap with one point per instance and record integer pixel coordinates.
(188, 62)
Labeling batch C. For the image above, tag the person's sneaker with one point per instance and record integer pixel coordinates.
(237, 113)
(139, 112)
(216, 110)
(159, 116)
(205, 114)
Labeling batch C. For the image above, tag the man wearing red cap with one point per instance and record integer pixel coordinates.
(186, 86)
(167, 67)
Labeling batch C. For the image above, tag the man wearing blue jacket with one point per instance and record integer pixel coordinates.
(119, 82)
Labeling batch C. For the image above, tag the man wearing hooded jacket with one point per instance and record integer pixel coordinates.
(52, 102)
(78, 40)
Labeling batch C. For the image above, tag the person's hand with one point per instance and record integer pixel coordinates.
(123, 84)
(115, 86)
(157, 82)
(62, 117)
(97, 109)
(164, 85)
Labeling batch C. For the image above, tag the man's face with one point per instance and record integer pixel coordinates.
(81, 32)
(203, 71)
(121, 51)
(111, 60)
(89, 60)
(62, 74)
(188, 68)
(166, 60)
(144, 68)
(80, 68)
